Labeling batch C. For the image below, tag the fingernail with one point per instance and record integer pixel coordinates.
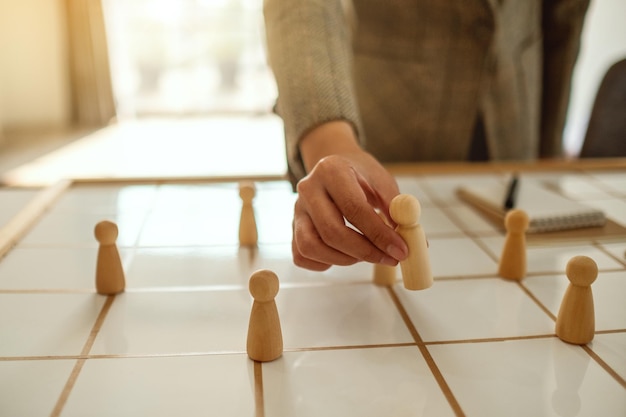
(396, 252)
(387, 260)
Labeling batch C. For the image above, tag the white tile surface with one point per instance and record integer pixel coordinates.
(106, 199)
(172, 322)
(611, 347)
(617, 249)
(321, 316)
(12, 200)
(55, 268)
(471, 220)
(476, 309)
(76, 229)
(548, 378)
(411, 185)
(354, 382)
(227, 265)
(443, 188)
(554, 258)
(164, 386)
(46, 324)
(434, 222)
(459, 257)
(614, 181)
(32, 387)
(174, 343)
(608, 294)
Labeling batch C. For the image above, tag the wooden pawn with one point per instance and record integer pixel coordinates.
(512, 263)
(575, 322)
(247, 223)
(109, 271)
(265, 339)
(405, 210)
(384, 275)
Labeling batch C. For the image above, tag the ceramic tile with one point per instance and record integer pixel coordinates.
(190, 229)
(321, 315)
(411, 185)
(615, 182)
(443, 188)
(106, 199)
(553, 258)
(354, 382)
(459, 257)
(196, 199)
(55, 268)
(49, 324)
(77, 229)
(189, 267)
(617, 249)
(474, 309)
(209, 215)
(166, 344)
(32, 387)
(12, 201)
(537, 377)
(171, 322)
(613, 208)
(434, 221)
(577, 187)
(227, 265)
(611, 347)
(471, 221)
(608, 294)
(164, 386)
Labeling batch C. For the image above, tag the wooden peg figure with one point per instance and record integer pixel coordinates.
(109, 271)
(512, 263)
(405, 210)
(247, 224)
(384, 275)
(575, 322)
(265, 339)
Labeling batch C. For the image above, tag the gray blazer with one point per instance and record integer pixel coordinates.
(413, 76)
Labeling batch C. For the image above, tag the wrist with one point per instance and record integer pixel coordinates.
(330, 138)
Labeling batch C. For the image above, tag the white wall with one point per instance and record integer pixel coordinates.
(34, 79)
(604, 42)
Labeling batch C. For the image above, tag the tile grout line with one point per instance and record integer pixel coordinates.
(259, 403)
(609, 369)
(604, 365)
(22, 222)
(432, 365)
(78, 366)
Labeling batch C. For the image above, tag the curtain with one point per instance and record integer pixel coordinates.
(92, 91)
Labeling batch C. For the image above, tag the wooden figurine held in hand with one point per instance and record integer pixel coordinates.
(405, 210)
(512, 263)
(265, 339)
(109, 271)
(384, 275)
(575, 322)
(247, 223)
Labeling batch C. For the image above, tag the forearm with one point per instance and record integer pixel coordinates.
(333, 138)
(309, 51)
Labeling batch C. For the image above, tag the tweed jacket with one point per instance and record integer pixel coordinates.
(413, 76)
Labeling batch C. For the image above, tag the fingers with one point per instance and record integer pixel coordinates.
(310, 252)
(332, 192)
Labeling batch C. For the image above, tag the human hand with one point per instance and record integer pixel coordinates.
(347, 185)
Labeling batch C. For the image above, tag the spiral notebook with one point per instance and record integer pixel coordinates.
(547, 210)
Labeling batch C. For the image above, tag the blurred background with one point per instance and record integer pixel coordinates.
(69, 67)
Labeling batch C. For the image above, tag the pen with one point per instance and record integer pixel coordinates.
(511, 193)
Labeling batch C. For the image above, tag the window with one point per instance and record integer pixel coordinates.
(188, 57)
